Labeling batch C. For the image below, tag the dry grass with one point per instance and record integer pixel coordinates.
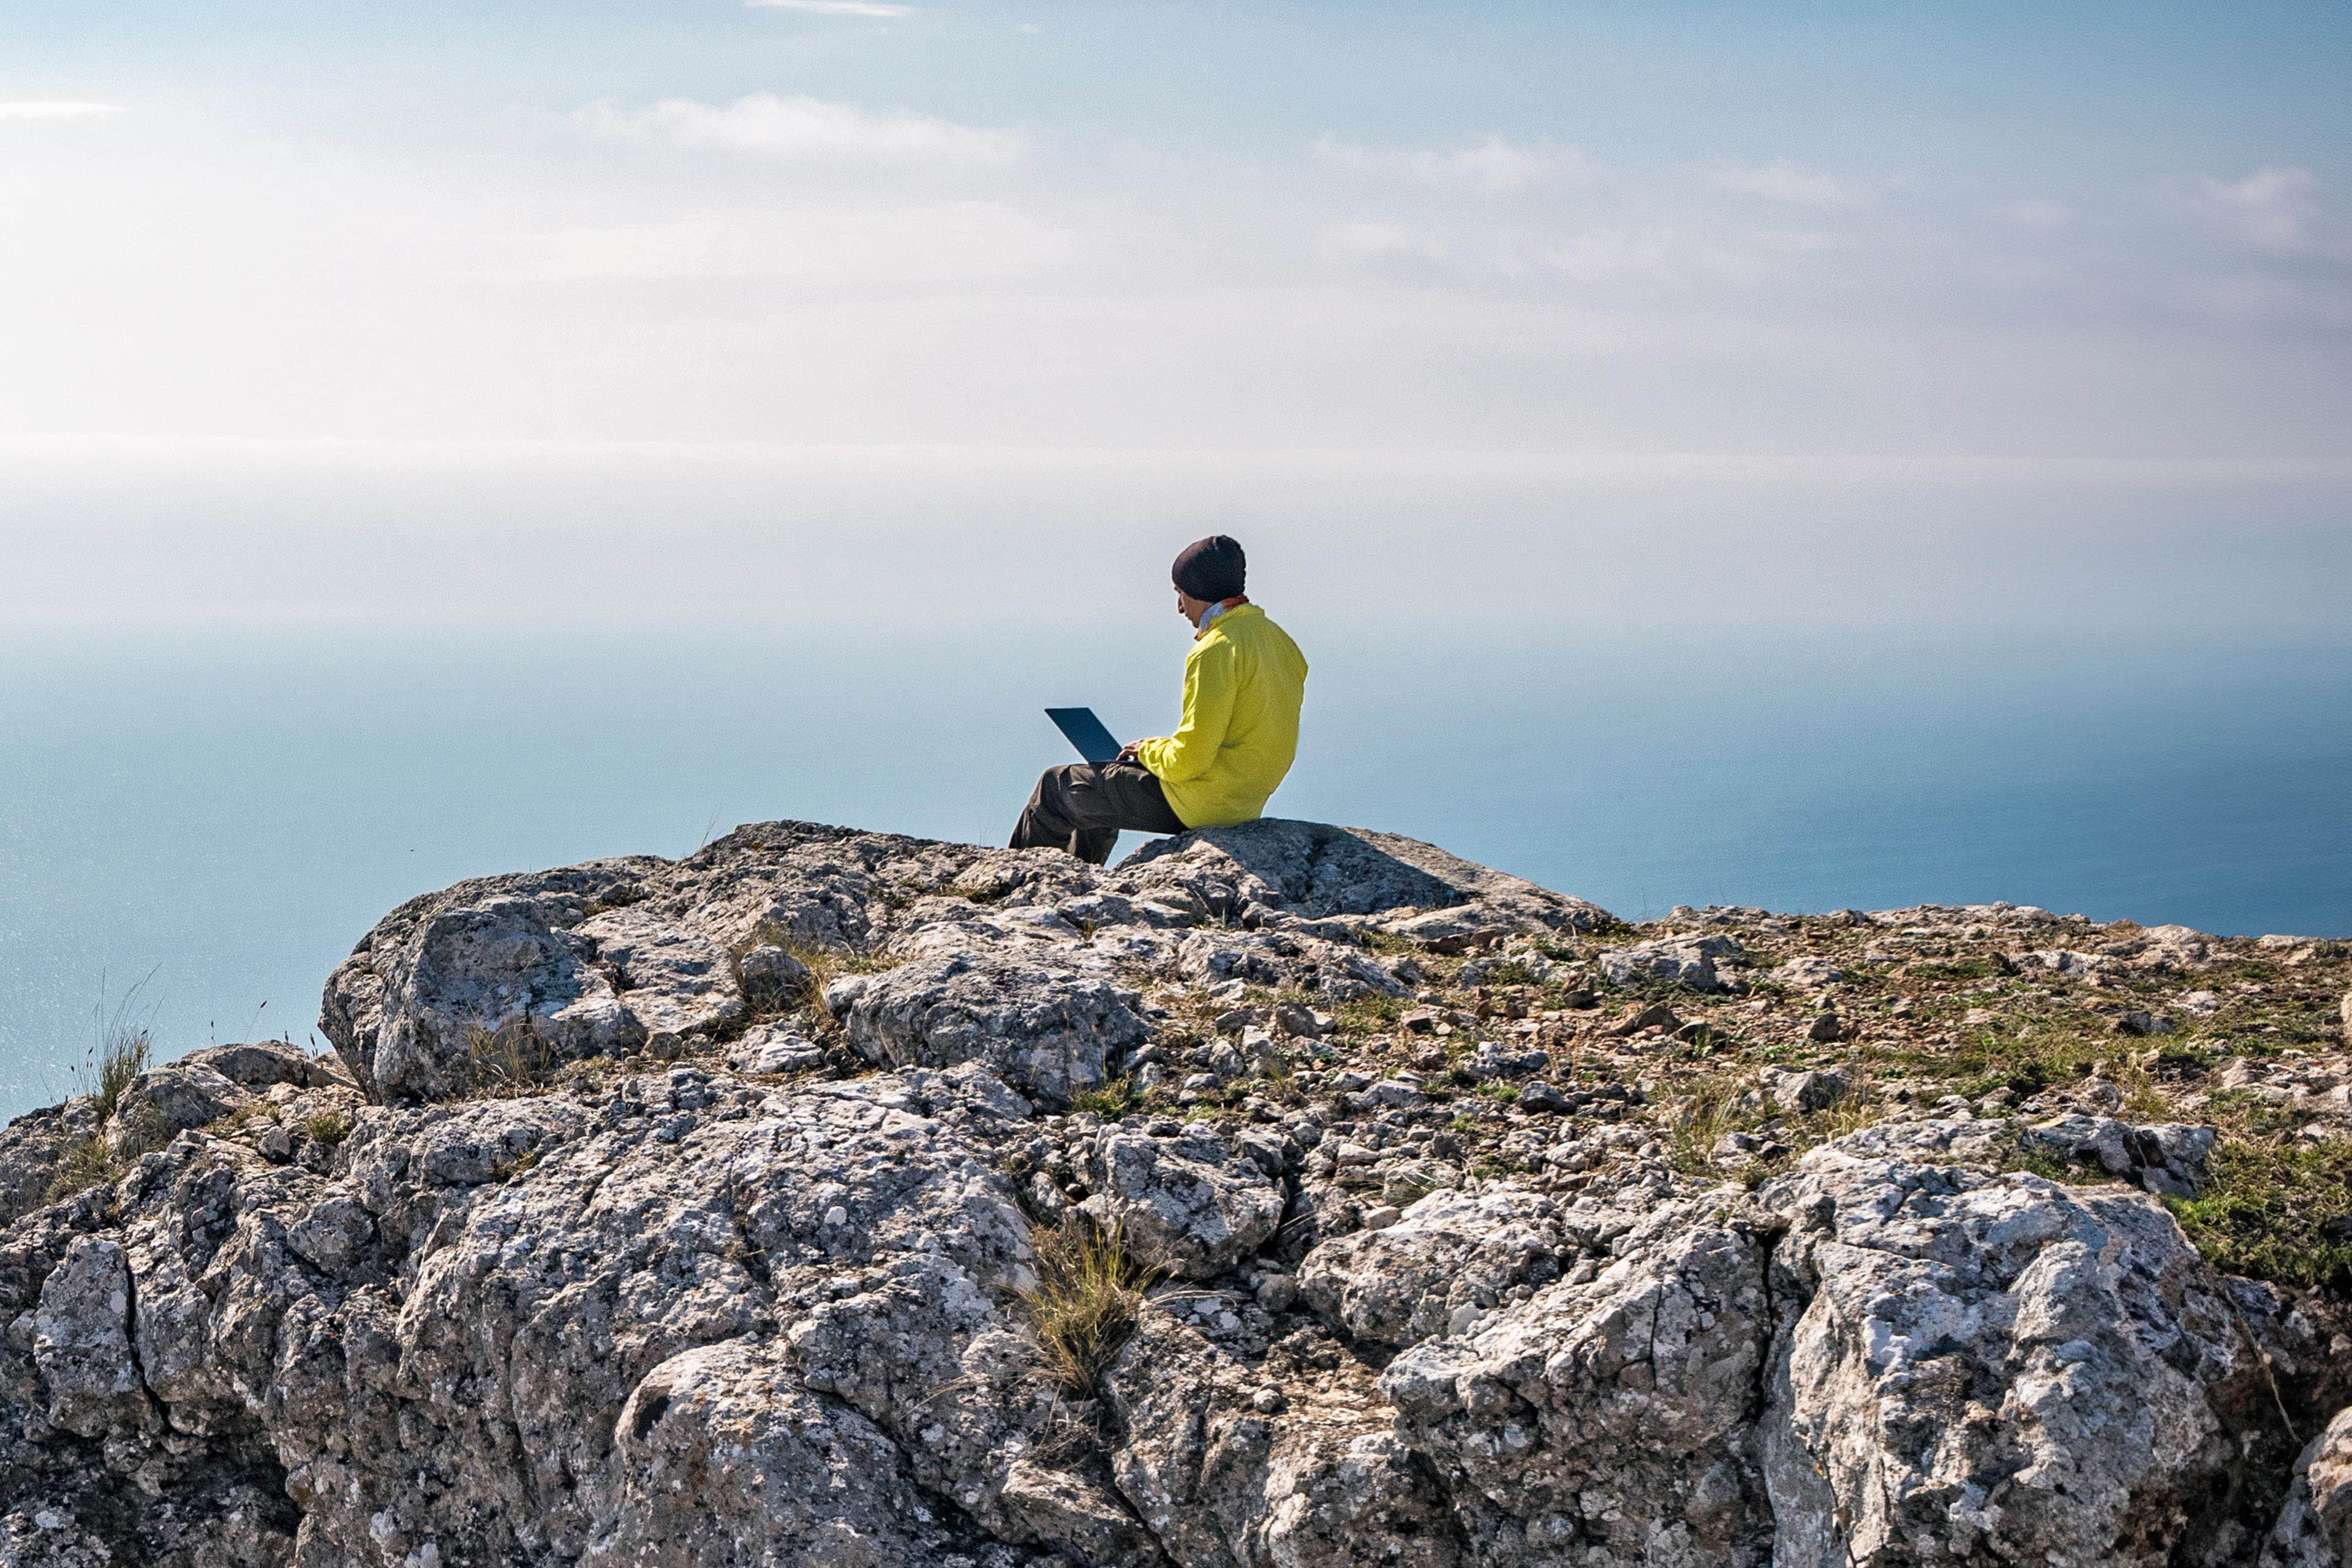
(101, 1158)
(509, 1061)
(823, 964)
(1712, 1107)
(328, 1127)
(123, 1051)
(1090, 1288)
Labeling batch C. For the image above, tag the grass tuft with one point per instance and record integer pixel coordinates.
(1372, 1014)
(125, 1046)
(88, 1163)
(1711, 1110)
(101, 1157)
(1715, 1106)
(1089, 1291)
(328, 1127)
(1116, 1099)
(2275, 1210)
(509, 1061)
(825, 965)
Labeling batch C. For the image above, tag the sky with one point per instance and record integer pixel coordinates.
(328, 311)
(1777, 450)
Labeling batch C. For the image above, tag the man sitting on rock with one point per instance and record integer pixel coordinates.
(1243, 683)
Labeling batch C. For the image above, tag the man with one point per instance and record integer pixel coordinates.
(1243, 683)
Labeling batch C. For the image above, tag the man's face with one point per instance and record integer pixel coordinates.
(1191, 608)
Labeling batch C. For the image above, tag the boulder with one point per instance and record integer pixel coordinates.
(256, 1066)
(464, 976)
(1995, 1366)
(1808, 973)
(184, 1094)
(33, 1147)
(1801, 1093)
(1608, 1421)
(1192, 1203)
(2165, 1158)
(1316, 871)
(1676, 960)
(81, 1339)
(2315, 1528)
(1050, 1030)
(1449, 1254)
(725, 1458)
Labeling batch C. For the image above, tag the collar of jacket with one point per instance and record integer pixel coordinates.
(1220, 610)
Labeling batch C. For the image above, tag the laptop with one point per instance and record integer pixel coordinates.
(1086, 732)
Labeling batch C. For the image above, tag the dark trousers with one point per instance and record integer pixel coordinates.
(1080, 807)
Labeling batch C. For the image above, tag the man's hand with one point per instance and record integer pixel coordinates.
(1126, 752)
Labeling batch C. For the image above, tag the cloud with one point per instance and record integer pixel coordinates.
(1490, 164)
(2038, 213)
(833, 7)
(2271, 209)
(803, 129)
(56, 110)
(1366, 241)
(1790, 183)
(953, 242)
(1613, 252)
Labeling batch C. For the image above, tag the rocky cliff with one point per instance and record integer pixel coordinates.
(1285, 1196)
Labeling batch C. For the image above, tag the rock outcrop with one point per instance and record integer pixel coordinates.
(693, 1212)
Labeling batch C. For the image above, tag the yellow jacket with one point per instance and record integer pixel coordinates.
(1243, 683)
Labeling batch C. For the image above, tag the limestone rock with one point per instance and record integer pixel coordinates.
(1999, 1366)
(2315, 1528)
(1799, 1093)
(1320, 1478)
(33, 1147)
(183, 1094)
(1606, 1422)
(1315, 871)
(1808, 973)
(739, 1272)
(1011, 958)
(1049, 1030)
(726, 1459)
(465, 973)
(256, 1066)
(1192, 1202)
(1448, 1253)
(81, 1339)
(2165, 1158)
(1676, 960)
(1324, 969)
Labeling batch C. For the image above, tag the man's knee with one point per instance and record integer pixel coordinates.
(1058, 789)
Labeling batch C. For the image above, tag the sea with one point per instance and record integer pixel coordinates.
(197, 823)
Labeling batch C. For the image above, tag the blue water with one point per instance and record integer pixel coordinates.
(221, 815)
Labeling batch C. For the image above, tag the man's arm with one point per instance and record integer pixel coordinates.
(1189, 753)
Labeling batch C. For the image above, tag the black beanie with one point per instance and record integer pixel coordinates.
(1210, 568)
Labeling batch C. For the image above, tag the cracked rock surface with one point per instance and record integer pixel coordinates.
(704, 1212)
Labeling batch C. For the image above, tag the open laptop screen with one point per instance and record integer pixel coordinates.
(1086, 732)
